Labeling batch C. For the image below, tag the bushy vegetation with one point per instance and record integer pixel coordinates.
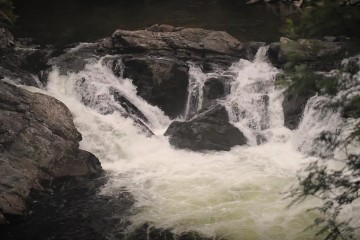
(300, 80)
(323, 17)
(7, 15)
(336, 187)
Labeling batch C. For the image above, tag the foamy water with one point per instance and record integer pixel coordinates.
(223, 195)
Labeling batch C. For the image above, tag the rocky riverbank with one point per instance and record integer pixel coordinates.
(38, 141)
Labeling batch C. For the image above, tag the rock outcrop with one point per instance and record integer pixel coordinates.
(194, 44)
(311, 54)
(161, 82)
(319, 55)
(293, 108)
(24, 63)
(38, 141)
(210, 130)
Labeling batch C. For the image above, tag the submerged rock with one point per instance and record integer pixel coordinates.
(210, 130)
(38, 140)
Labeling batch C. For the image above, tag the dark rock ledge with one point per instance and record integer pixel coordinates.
(38, 141)
(210, 130)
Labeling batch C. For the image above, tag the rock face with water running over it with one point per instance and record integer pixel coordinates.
(210, 130)
(38, 141)
(293, 108)
(161, 82)
(316, 55)
(24, 62)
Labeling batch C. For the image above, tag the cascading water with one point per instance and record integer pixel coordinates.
(221, 195)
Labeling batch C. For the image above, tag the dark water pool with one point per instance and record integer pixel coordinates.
(64, 21)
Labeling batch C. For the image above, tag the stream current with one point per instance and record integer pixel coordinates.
(235, 195)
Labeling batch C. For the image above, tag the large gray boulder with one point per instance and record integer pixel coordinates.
(38, 141)
(210, 130)
(191, 39)
(194, 44)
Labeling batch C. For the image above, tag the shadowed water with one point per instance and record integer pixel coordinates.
(65, 21)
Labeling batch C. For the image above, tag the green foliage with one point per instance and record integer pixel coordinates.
(302, 81)
(7, 15)
(336, 187)
(323, 17)
(290, 29)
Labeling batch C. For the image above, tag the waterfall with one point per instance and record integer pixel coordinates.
(221, 195)
(195, 91)
(254, 104)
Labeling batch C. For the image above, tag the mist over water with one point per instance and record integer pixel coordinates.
(238, 194)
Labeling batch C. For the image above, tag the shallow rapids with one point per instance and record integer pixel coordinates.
(235, 195)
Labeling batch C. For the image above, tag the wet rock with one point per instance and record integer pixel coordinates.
(162, 82)
(127, 105)
(251, 48)
(75, 59)
(293, 108)
(6, 39)
(214, 88)
(24, 62)
(73, 210)
(109, 101)
(38, 140)
(210, 130)
(105, 45)
(275, 55)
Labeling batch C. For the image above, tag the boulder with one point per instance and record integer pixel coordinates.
(194, 40)
(318, 55)
(309, 49)
(38, 141)
(210, 130)
(293, 108)
(214, 88)
(162, 82)
(194, 44)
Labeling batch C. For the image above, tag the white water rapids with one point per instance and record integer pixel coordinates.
(235, 195)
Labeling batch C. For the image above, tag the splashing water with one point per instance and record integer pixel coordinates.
(222, 195)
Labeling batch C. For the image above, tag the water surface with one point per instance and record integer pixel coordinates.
(64, 21)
